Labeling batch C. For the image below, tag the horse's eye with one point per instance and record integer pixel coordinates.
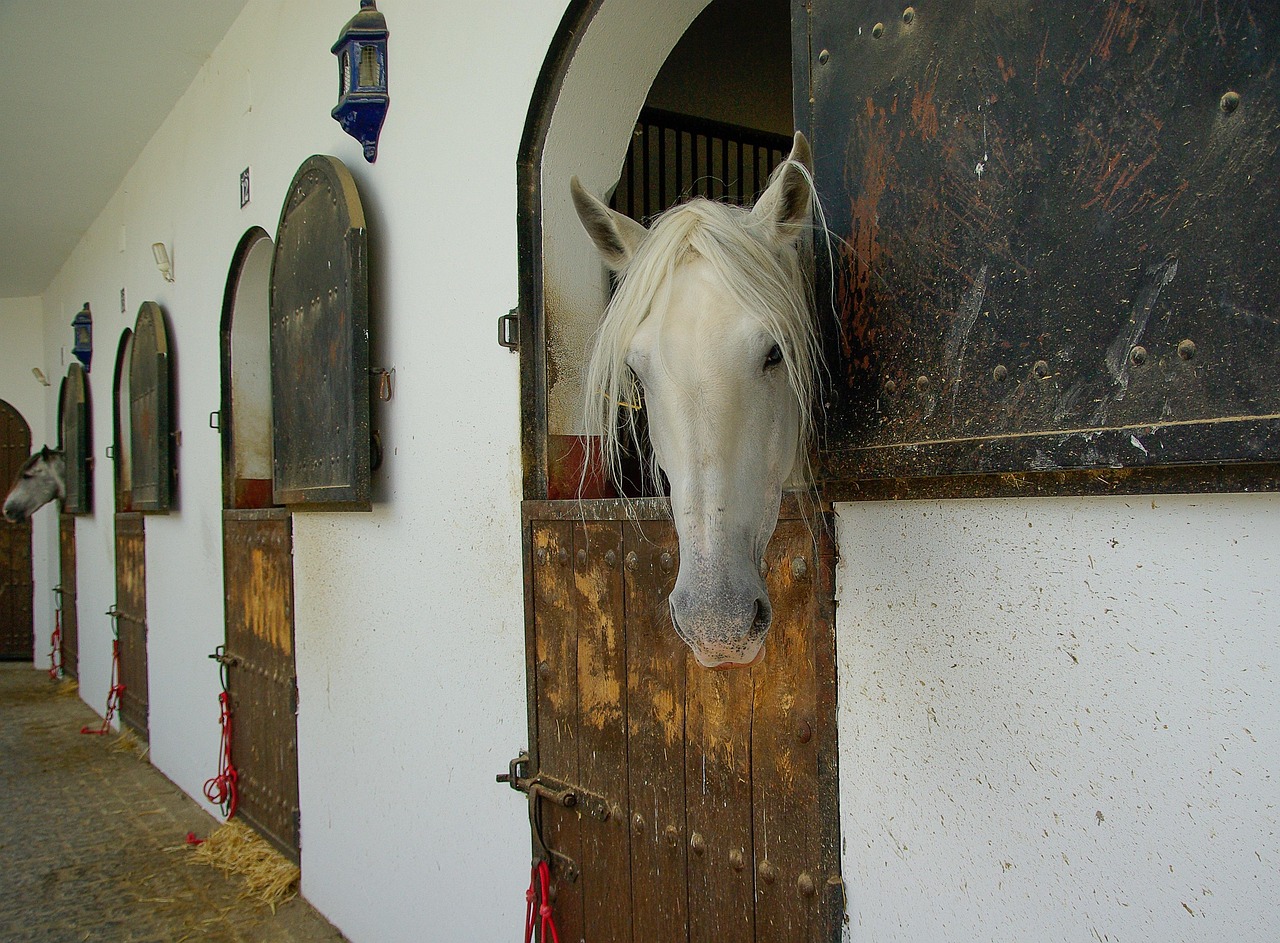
(774, 357)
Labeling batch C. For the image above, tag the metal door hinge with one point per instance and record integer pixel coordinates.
(509, 329)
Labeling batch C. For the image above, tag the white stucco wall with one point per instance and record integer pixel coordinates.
(1008, 669)
(1059, 719)
(409, 620)
(20, 350)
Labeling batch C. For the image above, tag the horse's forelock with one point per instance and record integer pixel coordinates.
(771, 285)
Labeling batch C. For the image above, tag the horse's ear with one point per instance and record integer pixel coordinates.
(617, 237)
(788, 201)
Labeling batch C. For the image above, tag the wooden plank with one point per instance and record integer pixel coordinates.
(556, 705)
(67, 596)
(718, 803)
(258, 595)
(131, 619)
(16, 586)
(789, 878)
(655, 737)
(602, 730)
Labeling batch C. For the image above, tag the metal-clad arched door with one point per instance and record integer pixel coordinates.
(15, 545)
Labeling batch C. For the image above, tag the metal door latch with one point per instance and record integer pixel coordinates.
(539, 786)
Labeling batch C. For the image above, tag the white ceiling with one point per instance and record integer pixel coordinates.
(84, 84)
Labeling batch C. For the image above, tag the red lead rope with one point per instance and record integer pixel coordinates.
(222, 789)
(55, 646)
(541, 875)
(113, 693)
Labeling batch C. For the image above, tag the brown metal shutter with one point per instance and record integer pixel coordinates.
(150, 420)
(320, 342)
(74, 433)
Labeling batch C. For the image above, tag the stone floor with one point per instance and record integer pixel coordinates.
(92, 840)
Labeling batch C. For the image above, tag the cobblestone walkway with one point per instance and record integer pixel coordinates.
(92, 840)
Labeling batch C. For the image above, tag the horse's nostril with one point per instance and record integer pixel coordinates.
(764, 615)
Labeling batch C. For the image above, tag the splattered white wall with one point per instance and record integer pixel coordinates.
(1060, 718)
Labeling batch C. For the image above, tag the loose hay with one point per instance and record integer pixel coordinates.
(237, 849)
(126, 742)
(68, 687)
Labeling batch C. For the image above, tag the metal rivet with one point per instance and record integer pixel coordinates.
(1000, 373)
(768, 872)
(922, 383)
(878, 30)
(1041, 369)
(666, 561)
(890, 387)
(1138, 356)
(824, 57)
(908, 14)
(805, 884)
(562, 556)
(1229, 102)
(544, 669)
(736, 859)
(637, 823)
(542, 554)
(1187, 349)
(673, 836)
(799, 568)
(697, 843)
(632, 560)
(610, 559)
(764, 568)
(804, 731)
(582, 558)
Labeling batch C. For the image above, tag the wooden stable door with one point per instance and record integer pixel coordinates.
(704, 801)
(131, 619)
(67, 612)
(16, 586)
(258, 587)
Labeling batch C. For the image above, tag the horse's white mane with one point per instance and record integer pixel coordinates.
(768, 281)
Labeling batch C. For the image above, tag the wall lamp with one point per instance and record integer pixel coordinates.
(162, 260)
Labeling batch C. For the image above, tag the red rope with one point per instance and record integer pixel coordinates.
(55, 646)
(222, 789)
(540, 913)
(114, 693)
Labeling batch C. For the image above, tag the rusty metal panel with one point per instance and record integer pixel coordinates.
(150, 419)
(1059, 241)
(728, 829)
(75, 435)
(131, 619)
(16, 587)
(258, 591)
(320, 342)
(66, 596)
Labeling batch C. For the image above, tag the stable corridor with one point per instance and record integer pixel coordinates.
(92, 840)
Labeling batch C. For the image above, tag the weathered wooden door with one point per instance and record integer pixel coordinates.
(66, 602)
(258, 583)
(16, 586)
(257, 554)
(130, 616)
(705, 801)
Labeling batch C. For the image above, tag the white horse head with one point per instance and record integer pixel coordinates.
(41, 479)
(712, 325)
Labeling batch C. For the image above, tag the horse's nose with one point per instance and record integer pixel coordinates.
(724, 625)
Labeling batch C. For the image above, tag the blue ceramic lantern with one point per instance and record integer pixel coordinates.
(362, 75)
(82, 335)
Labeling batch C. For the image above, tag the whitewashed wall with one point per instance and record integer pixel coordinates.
(1060, 719)
(1008, 669)
(410, 619)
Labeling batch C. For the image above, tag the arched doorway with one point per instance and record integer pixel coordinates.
(707, 802)
(257, 556)
(16, 586)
